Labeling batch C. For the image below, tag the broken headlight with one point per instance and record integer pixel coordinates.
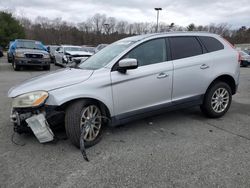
(32, 99)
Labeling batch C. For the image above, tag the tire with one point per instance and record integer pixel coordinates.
(216, 107)
(15, 66)
(47, 67)
(75, 112)
(9, 59)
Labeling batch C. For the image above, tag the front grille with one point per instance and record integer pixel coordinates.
(34, 56)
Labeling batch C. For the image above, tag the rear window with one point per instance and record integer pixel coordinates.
(182, 47)
(211, 44)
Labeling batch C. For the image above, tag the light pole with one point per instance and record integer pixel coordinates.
(157, 9)
(106, 28)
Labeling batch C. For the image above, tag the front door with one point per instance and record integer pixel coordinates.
(147, 87)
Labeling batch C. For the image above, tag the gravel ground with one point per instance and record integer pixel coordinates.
(176, 149)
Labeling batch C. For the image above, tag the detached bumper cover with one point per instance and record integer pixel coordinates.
(53, 116)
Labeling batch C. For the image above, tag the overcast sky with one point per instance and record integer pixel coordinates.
(181, 12)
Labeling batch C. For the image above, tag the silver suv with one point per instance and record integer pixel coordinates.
(132, 78)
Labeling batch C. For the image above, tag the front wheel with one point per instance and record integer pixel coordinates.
(15, 66)
(47, 67)
(217, 100)
(84, 114)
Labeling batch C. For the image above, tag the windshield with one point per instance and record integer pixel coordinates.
(30, 45)
(103, 57)
(243, 53)
(73, 49)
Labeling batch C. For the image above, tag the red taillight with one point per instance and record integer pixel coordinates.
(239, 56)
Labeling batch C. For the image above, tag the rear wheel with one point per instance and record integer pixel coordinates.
(86, 114)
(9, 60)
(217, 100)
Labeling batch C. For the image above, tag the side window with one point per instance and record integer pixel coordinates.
(182, 47)
(150, 52)
(211, 43)
(60, 49)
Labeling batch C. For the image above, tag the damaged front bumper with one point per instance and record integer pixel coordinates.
(39, 120)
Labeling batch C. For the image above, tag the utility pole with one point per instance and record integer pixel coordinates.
(157, 23)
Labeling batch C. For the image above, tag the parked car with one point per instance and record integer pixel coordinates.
(1, 51)
(132, 78)
(99, 47)
(247, 51)
(29, 53)
(89, 49)
(10, 52)
(51, 50)
(245, 59)
(66, 55)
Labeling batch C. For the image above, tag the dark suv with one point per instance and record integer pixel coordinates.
(29, 53)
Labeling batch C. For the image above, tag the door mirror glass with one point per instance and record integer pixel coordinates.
(128, 63)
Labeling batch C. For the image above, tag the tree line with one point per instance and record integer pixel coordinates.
(99, 29)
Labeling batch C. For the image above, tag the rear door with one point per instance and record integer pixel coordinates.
(191, 67)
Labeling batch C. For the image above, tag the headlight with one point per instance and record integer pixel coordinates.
(19, 54)
(46, 56)
(32, 99)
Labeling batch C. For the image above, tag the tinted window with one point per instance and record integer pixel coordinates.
(211, 43)
(150, 52)
(182, 47)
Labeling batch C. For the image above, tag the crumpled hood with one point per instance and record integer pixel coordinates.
(50, 81)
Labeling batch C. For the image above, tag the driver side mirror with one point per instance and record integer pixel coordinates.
(126, 64)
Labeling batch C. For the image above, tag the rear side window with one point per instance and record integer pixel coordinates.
(182, 47)
(151, 52)
(211, 44)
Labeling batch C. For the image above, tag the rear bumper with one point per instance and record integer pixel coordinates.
(32, 62)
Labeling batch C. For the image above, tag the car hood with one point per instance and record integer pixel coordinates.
(53, 80)
(78, 53)
(35, 51)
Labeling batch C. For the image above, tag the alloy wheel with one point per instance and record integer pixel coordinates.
(91, 120)
(220, 100)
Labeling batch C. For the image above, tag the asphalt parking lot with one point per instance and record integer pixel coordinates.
(176, 149)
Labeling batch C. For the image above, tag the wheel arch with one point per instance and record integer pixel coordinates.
(105, 110)
(227, 79)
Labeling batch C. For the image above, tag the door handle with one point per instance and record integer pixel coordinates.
(162, 75)
(204, 66)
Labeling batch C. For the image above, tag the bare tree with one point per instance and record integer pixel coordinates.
(102, 29)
